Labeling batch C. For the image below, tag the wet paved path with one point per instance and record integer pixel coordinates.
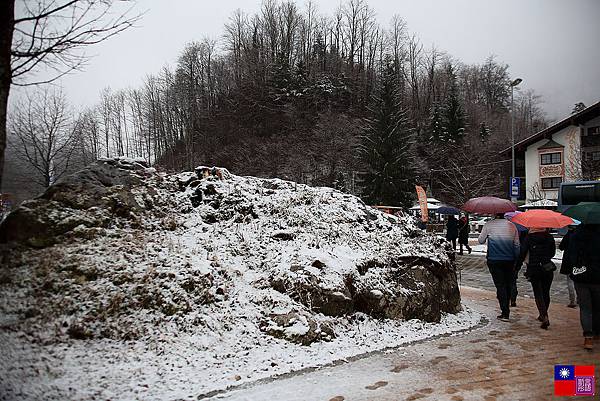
(499, 361)
(473, 272)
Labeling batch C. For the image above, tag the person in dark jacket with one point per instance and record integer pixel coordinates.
(566, 267)
(584, 254)
(537, 250)
(463, 234)
(452, 230)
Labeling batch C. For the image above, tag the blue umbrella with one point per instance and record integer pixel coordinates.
(448, 210)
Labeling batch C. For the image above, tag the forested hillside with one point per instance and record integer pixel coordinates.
(289, 92)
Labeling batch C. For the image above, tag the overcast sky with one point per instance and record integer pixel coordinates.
(554, 45)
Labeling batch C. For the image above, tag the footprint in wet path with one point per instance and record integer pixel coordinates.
(377, 385)
(478, 340)
(438, 359)
(399, 368)
(337, 398)
(444, 346)
(415, 396)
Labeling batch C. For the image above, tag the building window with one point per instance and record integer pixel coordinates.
(592, 156)
(550, 158)
(551, 183)
(593, 131)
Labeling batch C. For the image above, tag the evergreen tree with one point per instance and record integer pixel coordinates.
(436, 125)
(579, 106)
(340, 182)
(387, 149)
(454, 116)
(484, 132)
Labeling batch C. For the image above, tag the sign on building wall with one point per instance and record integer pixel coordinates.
(554, 169)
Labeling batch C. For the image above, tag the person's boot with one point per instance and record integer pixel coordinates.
(540, 308)
(545, 323)
(588, 343)
(469, 249)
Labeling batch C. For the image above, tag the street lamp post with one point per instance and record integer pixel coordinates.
(512, 127)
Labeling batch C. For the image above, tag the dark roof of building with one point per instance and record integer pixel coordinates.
(551, 144)
(583, 116)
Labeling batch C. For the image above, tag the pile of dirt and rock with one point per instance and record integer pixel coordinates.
(117, 249)
(235, 265)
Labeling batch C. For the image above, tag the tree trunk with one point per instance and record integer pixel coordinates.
(7, 23)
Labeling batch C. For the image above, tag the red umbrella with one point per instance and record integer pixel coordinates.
(540, 218)
(488, 205)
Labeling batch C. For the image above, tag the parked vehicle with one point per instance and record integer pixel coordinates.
(571, 193)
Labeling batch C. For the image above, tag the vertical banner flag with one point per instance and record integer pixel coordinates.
(570, 380)
(422, 202)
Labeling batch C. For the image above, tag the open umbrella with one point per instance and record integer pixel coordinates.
(488, 205)
(447, 210)
(586, 212)
(510, 215)
(541, 218)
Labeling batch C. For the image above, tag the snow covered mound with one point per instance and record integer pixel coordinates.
(120, 252)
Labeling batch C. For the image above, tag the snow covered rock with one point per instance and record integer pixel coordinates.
(128, 252)
(297, 327)
(92, 197)
(205, 279)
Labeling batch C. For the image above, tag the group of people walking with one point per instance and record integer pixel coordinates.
(509, 251)
(458, 229)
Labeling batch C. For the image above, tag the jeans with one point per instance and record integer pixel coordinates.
(541, 283)
(571, 288)
(502, 274)
(589, 308)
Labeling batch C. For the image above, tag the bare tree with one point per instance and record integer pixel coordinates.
(469, 173)
(536, 192)
(50, 34)
(42, 134)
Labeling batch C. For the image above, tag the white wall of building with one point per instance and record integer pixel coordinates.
(570, 138)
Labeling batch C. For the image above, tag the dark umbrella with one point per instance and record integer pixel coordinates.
(586, 212)
(447, 210)
(488, 205)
